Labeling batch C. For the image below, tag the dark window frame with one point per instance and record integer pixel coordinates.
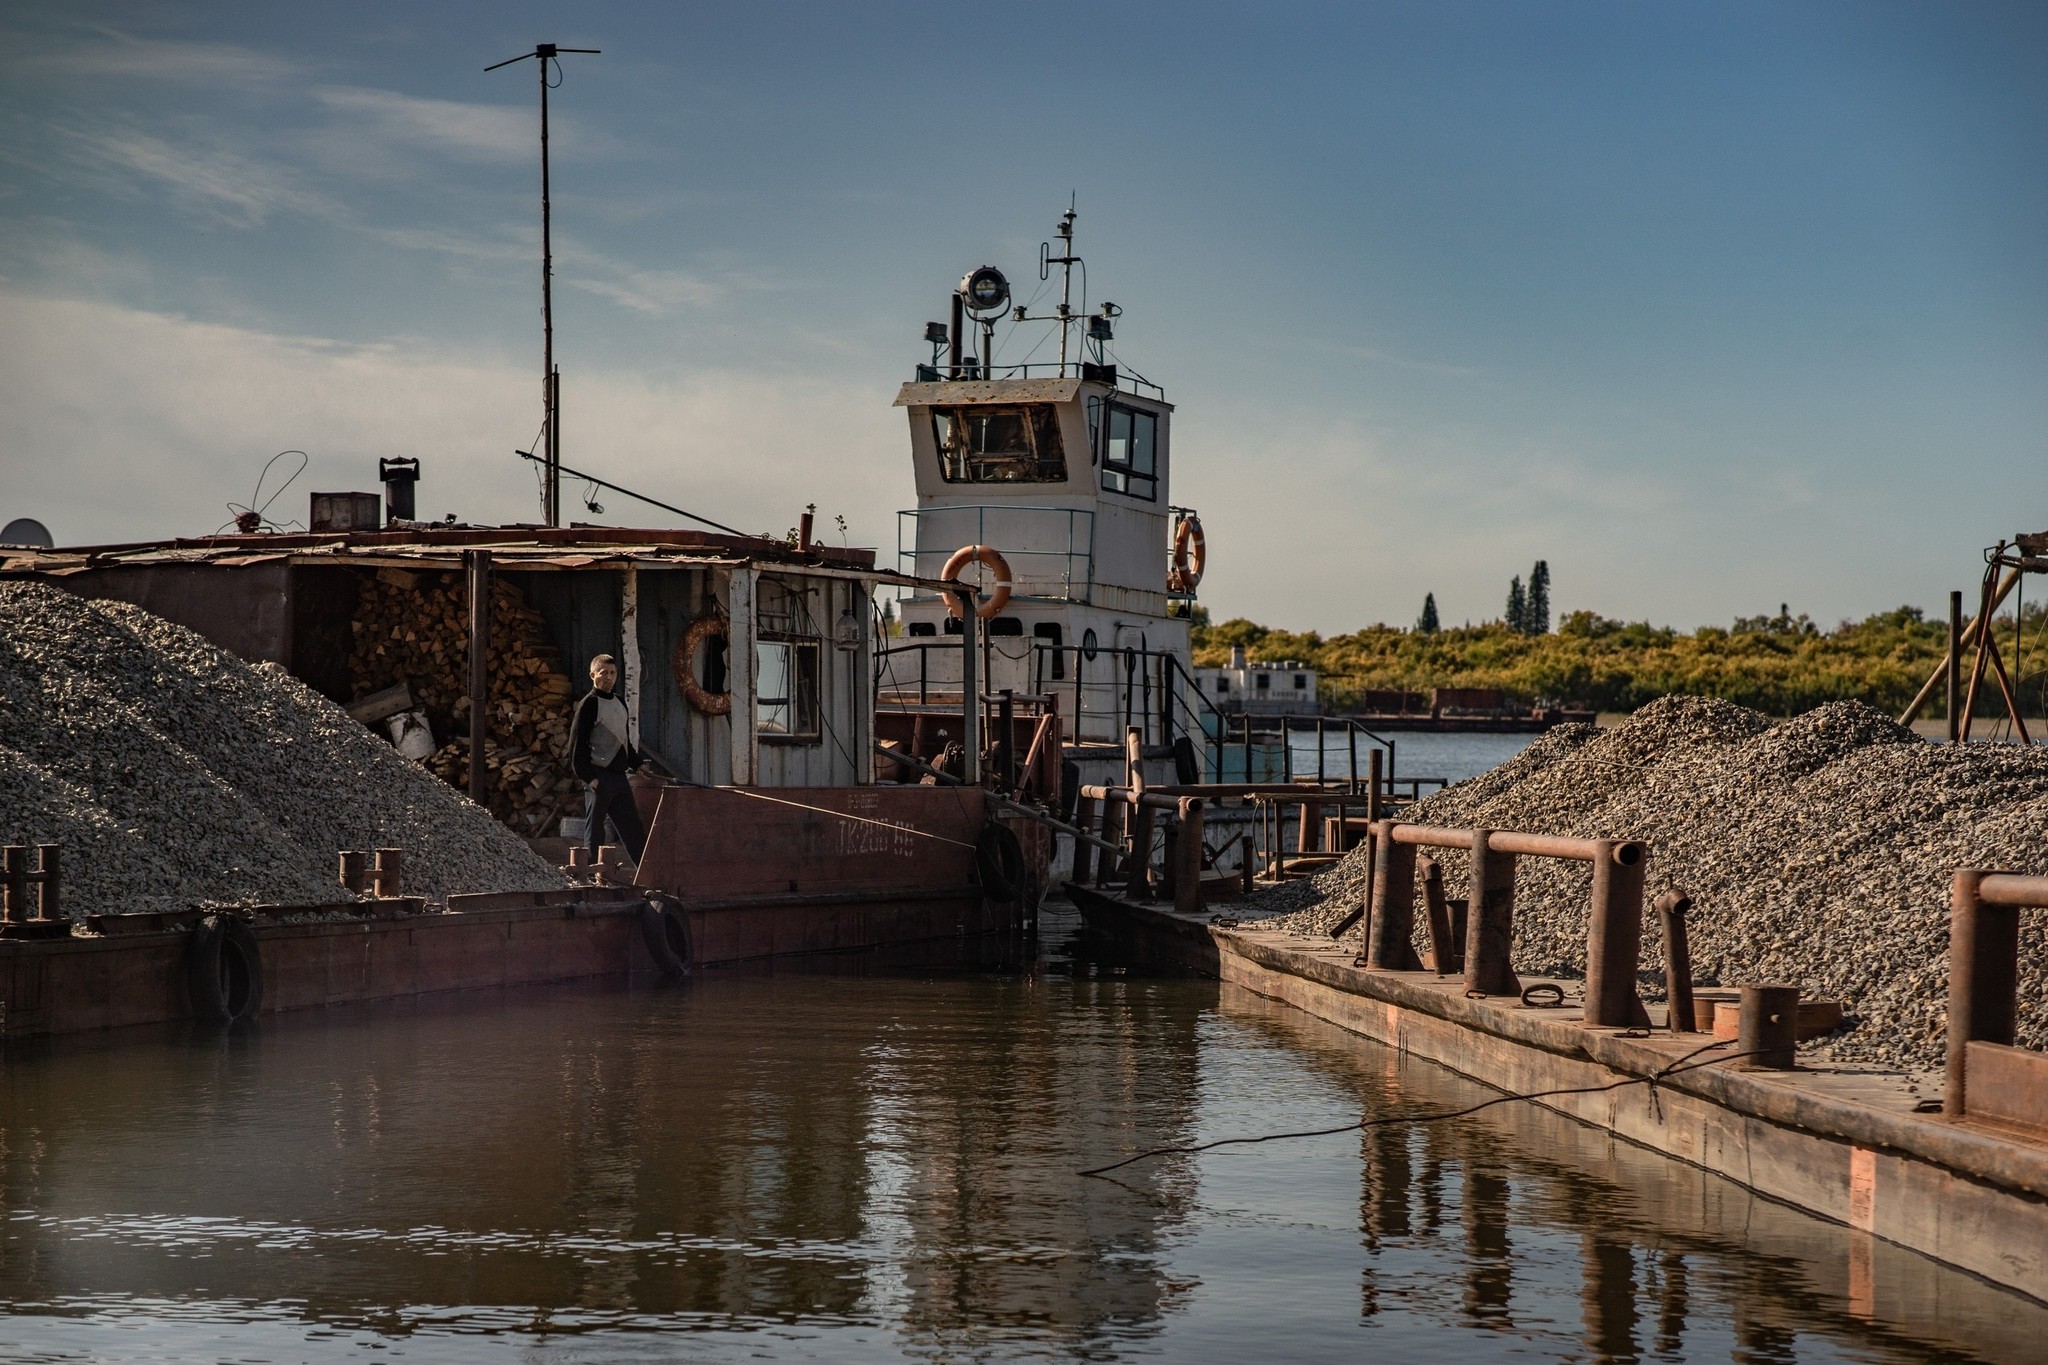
(1131, 476)
(1043, 458)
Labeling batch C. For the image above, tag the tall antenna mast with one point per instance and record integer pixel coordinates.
(550, 377)
(1065, 232)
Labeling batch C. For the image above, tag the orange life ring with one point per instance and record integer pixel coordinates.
(987, 555)
(684, 661)
(1190, 555)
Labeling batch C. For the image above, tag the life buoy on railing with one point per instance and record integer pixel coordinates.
(1190, 555)
(992, 558)
(684, 662)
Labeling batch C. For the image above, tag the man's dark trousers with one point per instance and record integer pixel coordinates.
(611, 797)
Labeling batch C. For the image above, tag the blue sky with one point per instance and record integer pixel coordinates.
(1712, 306)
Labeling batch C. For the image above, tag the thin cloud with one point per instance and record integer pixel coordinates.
(113, 55)
(224, 185)
(470, 132)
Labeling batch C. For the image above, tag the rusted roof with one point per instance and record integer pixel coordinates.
(538, 547)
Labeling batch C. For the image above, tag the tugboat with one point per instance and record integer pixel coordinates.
(1047, 487)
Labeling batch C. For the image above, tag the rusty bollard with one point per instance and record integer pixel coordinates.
(1444, 956)
(1672, 907)
(1390, 933)
(354, 872)
(611, 865)
(1768, 1028)
(1614, 938)
(385, 877)
(45, 873)
(1490, 921)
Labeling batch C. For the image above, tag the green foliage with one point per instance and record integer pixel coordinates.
(1428, 623)
(1779, 664)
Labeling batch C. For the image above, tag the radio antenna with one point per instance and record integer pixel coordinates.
(550, 377)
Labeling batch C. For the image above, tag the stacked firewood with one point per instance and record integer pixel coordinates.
(413, 628)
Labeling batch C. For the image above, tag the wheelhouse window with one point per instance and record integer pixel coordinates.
(1130, 453)
(987, 443)
(787, 665)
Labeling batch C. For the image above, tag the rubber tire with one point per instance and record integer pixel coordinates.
(999, 861)
(1186, 766)
(224, 971)
(667, 931)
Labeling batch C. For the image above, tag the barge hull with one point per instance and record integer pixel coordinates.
(1845, 1148)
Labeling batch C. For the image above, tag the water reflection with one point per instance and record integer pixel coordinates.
(882, 1167)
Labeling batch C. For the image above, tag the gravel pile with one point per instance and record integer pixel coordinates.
(175, 775)
(1817, 850)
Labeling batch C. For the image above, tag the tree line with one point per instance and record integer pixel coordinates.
(1781, 664)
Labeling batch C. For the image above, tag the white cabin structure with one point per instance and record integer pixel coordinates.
(1065, 470)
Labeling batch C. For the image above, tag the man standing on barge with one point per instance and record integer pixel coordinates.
(601, 752)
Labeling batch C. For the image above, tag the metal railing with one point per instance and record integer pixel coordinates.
(1080, 535)
(1042, 369)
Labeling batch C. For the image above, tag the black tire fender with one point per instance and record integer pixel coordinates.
(667, 931)
(999, 861)
(224, 970)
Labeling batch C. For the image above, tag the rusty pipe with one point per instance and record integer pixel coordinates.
(1672, 907)
(1154, 798)
(1768, 1027)
(1444, 957)
(1983, 971)
(1614, 934)
(2013, 889)
(1389, 942)
(1490, 920)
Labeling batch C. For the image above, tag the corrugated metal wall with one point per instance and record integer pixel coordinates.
(697, 746)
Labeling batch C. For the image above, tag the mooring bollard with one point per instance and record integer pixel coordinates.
(1672, 907)
(1614, 935)
(1113, 812)
(386, 879)
(1983, 979)
(1768, 1028)
(1490, 928)
(1084, 852)
(18, 873)
(1390, 932)
(1138, 881)
(1444, 957)
(354, 871)
(1187, 871)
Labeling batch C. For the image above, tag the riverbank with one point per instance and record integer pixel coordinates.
(1781, 665)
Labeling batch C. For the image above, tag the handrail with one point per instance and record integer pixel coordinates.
(1075, 550)
(1042, 369)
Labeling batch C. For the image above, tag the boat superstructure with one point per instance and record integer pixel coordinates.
(1048, 487)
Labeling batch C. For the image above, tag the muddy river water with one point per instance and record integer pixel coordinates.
(882, 1165)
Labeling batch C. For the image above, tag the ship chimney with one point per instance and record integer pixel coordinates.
(399, 476)
(1237, 656)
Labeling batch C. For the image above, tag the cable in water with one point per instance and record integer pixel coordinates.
(1683, 1064)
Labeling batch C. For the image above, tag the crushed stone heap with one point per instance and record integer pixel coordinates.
(1817, 850)
(174, 775)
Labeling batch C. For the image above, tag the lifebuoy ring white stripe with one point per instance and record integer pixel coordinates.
(999, 591)
(1190, 555)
